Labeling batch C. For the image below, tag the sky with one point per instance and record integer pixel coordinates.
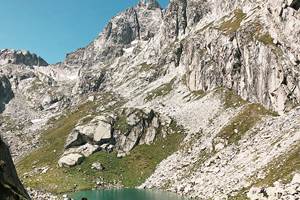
(53, 28)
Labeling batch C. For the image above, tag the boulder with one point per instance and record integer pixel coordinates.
(97, 131)
(97, 166)
(74, 139)
(102, 132)
(86, 150)
(296, 179)
(70, 160)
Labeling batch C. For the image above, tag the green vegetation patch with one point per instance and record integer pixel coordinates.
(232, 25)
(195, 95)
(283, 168)
(133, 169)
(230, 98)
(265, 39)
(121, 123)
(145, 67)
(56, 179)
(161, 91)
(243, 122)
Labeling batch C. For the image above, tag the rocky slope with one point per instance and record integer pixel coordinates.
(223, 75)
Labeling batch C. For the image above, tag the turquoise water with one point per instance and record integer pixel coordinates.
(125, 194)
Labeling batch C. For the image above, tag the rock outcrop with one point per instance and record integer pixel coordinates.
(141, 22)
(10, 186)
(131, 127)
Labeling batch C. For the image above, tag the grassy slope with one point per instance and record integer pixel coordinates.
(129, 171)
(244, 121)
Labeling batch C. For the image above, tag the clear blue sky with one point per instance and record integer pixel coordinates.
(52, 28)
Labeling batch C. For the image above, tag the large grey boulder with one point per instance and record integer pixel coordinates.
(97, 131)
(142, 128)
(70, 160)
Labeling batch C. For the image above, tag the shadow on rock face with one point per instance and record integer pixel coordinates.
(11, 187)
(295, 4)
(6, 93)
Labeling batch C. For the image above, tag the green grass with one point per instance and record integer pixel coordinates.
(135, 168)
(283, 168)
(145, 67)
(129, 171)
(161, 91)
(121, 123)
(233, 24)
(195, 95)
(230, 98)
(266, 39)
(48, 155)
(243, 122)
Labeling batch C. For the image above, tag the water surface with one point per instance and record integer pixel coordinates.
(125, 194)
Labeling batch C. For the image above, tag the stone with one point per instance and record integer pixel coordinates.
(219, 146)
(296, 179)
(75, 138)
(97, 166)
(71, 160)
(102, 132)
(86, 150)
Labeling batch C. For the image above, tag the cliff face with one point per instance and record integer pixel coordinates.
(226, 71)
(10, 185)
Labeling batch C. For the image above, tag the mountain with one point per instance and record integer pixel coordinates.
(8, 56)
(200, 98)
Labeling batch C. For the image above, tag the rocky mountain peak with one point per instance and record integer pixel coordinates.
(139, 23)
(150, 4)
(10, 56)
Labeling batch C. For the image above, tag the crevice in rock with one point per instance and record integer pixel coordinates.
(178, 53)
(138, 24)
(184, 23)
(109, 30)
